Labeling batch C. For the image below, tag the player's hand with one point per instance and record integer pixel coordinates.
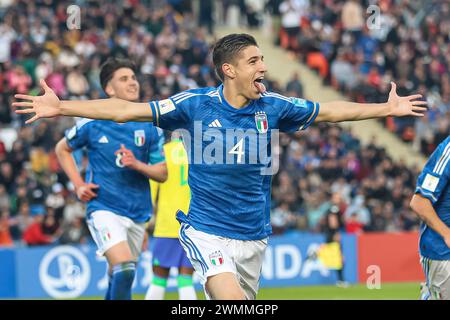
(87, 191)
(405, 106)
(128, 159)
(45, 106)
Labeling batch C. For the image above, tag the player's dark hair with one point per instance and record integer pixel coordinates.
(110, 66)
(228, 48)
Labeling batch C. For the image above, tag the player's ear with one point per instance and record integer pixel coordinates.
(109, 89)
(228, 70)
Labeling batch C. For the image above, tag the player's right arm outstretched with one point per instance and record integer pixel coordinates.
(49, 106)
(396, 106)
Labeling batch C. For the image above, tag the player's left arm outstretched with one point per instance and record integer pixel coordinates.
(48, 105)
(396, 106)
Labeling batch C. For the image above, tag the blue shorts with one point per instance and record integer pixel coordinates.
(168, 252)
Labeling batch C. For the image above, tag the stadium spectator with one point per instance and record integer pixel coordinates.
(56, 78)
(316, 209)
(77, 84)
(7, 176)
(4, 198)
(282, 219)
(378, 219)
(352, 17)
(21, 221)
(74, 232)
(18, 80)
(51, 225)
(358, 211)
(7, 36)
(343, 73)
(5, 234)
(254, 9)
(391, 218)
(273, 7)
(294, 87)
(353, 225)
(206, 15)
(285, 191)
(56, 200)
(34, 235)
(73, 209)
(291, 16)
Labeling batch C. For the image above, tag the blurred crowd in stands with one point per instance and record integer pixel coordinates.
(359, 46)
(324, 169)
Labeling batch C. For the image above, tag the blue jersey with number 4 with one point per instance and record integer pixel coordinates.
(229, 151)
(433, 184)
(122, 190)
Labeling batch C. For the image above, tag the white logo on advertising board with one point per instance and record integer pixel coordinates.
(72, 276)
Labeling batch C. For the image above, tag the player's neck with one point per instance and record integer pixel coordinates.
(234, 98)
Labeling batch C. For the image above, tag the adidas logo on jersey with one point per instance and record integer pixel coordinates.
(103, 139)
(215, 124)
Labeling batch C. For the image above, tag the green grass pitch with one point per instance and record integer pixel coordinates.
(388, 291)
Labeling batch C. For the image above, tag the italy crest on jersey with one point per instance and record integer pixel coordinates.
(139, 137)
(261, 122)
(216, 258)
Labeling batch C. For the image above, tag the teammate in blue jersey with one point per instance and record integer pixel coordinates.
(122, 157)
(227, 131)
(431, 202)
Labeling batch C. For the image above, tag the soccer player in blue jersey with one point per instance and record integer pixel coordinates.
(122, 157)
(226, 230)
(431, 202)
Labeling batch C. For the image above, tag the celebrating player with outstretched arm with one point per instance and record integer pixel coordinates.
(225, 232)
(432, 203)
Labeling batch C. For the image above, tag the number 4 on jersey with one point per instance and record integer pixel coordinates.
(238, 150)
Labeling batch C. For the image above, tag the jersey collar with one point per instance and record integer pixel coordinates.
(230, 107)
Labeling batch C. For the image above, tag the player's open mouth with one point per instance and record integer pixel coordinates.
(259, 85)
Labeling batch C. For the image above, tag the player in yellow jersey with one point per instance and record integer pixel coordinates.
(167, 250)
